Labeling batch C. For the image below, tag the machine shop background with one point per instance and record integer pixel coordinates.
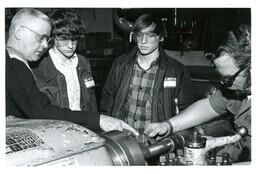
(192, 32)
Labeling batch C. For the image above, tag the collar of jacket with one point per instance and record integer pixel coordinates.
(131, 57)
(52, 72)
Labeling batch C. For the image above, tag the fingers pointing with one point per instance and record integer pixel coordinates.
(129, 128)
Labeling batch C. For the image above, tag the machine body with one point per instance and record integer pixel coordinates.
(61, 143)
(124, 149)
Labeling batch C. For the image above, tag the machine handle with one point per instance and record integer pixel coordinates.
(242, 131)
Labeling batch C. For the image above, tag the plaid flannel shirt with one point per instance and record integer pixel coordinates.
(139, 100)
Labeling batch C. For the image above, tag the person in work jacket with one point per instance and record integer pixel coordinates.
(28, 39)
(63, 75)
(146, 85)
(232, 60)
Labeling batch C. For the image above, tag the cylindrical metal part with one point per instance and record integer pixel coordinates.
(157, 148)
(196, 140)
(168, 144)
(195, 149)
(195, 155)
(123, 149)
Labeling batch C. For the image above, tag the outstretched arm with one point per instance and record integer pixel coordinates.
(196, 114)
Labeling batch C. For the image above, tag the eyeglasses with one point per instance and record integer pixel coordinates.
(228, 81)
(40, 38)
(149, 35)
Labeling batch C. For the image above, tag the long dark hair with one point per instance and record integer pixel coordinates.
(146, 20)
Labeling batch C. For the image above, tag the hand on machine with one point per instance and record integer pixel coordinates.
(108, 123)
(125, 150)
(197, 147)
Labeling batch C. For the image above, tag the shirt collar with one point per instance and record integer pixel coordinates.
(154, 63)
(72, 62)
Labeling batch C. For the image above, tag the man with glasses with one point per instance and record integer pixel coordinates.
(65, 76)
(28, 39)
(145, 85)
(233, 62)
(40, 38)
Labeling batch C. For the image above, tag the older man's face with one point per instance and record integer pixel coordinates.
(35, 38)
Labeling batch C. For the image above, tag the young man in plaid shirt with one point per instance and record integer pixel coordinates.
(146, 85)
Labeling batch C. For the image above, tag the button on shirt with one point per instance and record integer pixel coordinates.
(68, 69)
(139, 100)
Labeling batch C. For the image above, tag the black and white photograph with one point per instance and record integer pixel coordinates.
(153, 86)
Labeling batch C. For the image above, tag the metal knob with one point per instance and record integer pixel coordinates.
(242, 131)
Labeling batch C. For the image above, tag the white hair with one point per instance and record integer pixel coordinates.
(26, 16)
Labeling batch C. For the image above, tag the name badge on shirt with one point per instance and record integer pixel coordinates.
(89, 82)
(169, 82)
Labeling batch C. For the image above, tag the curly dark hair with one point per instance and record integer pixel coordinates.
(67, 22)
(237, 44)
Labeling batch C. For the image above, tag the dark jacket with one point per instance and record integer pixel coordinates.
(25, 100)
(115, 90)
(52, 82)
